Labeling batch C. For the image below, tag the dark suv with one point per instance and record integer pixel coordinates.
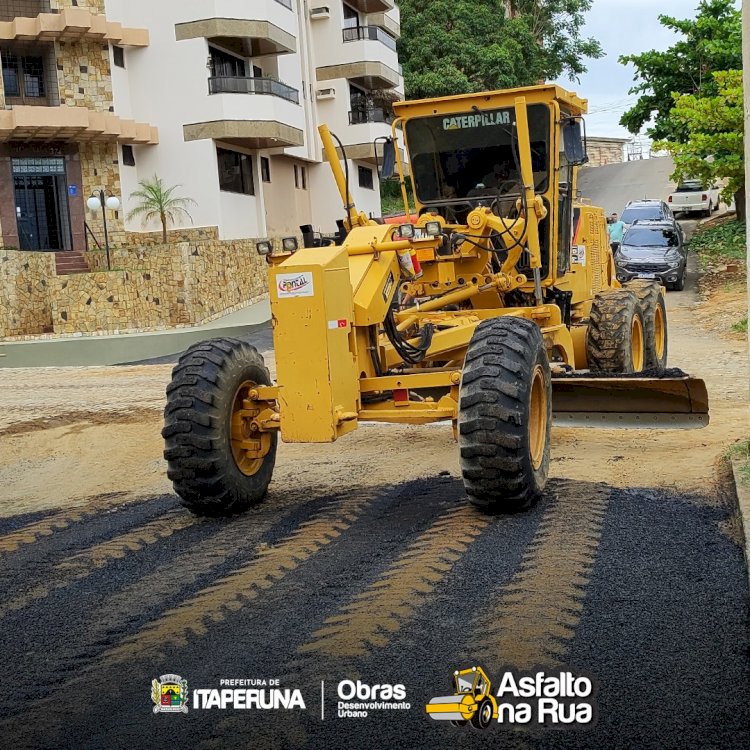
(646, 210)
(653, 250)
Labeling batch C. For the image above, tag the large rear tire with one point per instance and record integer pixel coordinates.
(615, 340)
(654, 312)
(218, 465)
(505, 413)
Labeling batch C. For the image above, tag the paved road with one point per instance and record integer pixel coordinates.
(612, 186)
(643, 590)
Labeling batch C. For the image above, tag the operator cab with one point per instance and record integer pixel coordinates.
(464, 155)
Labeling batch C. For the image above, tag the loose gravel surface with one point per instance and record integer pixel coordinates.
(366, 562)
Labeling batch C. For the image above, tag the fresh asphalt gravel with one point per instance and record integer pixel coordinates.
(660, 607)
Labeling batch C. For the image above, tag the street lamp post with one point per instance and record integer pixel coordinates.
(101, 201)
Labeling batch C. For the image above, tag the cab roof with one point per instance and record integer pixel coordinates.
(490, 99)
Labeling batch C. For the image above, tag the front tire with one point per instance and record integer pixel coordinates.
(505, 412)
(218, 465)
(615, 336)
(483, 716)
(654, 313)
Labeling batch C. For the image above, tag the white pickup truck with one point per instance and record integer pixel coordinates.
(691, 196)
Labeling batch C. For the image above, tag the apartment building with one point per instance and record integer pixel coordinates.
(222, 97)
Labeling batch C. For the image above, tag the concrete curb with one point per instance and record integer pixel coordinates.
(742, 488)
(86, 351)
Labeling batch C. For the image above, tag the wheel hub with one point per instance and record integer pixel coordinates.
(538, 418)
(249, 444)
(637, 344)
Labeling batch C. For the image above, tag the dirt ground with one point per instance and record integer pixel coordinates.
(70, 434)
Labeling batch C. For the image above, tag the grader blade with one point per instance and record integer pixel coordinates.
(630, 402)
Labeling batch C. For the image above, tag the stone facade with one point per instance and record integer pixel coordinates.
(101, 170)
(84, 75)
(25, 280)
(603, 151)
(182, 284)
(95, 6)
(149, 239)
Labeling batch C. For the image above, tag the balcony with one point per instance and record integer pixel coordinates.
(364, 115)
(257, 37)
(71, 24)
(77, 124)
(369, 75)
(371, 6)
(251, 85)
(371, 33)
(387, 23)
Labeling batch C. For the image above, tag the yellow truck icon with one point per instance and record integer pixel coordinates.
(472, 700)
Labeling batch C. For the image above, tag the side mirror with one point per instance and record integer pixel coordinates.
(574, 141)
(388, 170)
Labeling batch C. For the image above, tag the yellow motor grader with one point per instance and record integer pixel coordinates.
(494, 305)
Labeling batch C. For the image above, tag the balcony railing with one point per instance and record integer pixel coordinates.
(361, 115)
(372, 33)
(251, 85)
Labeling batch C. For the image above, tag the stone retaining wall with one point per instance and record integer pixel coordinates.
(190, 234)
(182, 284)
(24, 292)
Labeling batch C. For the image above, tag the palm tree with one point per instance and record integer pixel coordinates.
(157, 201)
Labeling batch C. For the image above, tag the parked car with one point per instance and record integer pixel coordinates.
(649, 209)
(653, 250)
(692, 196)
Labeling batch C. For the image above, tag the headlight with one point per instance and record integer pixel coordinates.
(672, 256)
(290, 244)
(406, 231)
(433, 228)
(264, 247)
(621, 255)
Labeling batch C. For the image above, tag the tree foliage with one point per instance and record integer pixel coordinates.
(712, 41)
(714, 149)
(462, 46)
(157, 201)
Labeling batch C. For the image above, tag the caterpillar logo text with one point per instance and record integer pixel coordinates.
(484, 120)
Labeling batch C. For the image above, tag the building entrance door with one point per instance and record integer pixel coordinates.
(42, 204)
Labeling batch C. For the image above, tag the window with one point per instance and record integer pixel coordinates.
(23, 76)
(351, 17)
(119, 56)
(128, 156)
(365, 178)
(300, 177)
(235, 172)
(226, 65)
(265, 169)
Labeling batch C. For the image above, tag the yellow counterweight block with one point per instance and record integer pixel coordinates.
(314, 339)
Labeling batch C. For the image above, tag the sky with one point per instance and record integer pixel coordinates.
(622, 27)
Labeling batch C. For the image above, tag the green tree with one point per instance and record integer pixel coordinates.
(157, 201)
(462, 46)
(715, 147)
(712, 41)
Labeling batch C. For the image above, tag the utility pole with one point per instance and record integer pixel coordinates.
(746, 83)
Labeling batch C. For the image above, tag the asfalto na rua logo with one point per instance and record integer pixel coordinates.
(558, 700)
(169, 694)
(472, 700)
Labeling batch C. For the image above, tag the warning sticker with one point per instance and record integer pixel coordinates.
(579, 254)
(295, 284)
(334, 324)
